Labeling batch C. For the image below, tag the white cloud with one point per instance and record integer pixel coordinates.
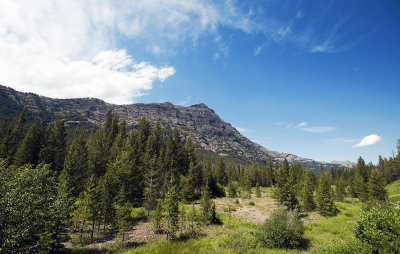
(368, 140)
(67, 49)
(319, 129)
(302, 124)
(186, 101)
(340, 140)
(242, 130)
(257, 50)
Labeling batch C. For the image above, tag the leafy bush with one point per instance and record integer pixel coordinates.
(283, 230)
(32, 210)
(380, 228)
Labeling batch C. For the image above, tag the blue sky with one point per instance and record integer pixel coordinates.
(312, 78)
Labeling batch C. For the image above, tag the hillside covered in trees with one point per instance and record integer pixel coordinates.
(210, 134)
(58, 191)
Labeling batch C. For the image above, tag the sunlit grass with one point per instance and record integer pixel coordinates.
(393, 190)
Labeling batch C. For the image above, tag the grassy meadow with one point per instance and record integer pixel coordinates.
(238, 234)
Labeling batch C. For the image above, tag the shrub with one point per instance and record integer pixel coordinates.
(380, 228)
(283, 230)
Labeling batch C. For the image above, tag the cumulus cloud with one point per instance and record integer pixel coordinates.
(368, 140)
(67, 49)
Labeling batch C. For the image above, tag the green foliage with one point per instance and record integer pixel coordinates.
(283, 229)
(32, 208)
(286, 186)
(232, 189)
(343, 246)
(157, 217)
(75, 170)
(221, 175)
(325, 204)
(172, 209)
(307, 192)
(379, 227)
(32, 144)
(376, 186)
(258, 191)
(205, 204)
(340, 189)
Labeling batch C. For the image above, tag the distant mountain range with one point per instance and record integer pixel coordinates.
(208, 131)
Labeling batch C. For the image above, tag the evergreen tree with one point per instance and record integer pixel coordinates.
(172, 209)
(360, 180)
(269, 173)
(157, 219)
(54, 151)
(285, 186)
(75, 170)
(232, 189)
(340, 189)
(189, 150)
(376, 186)
(307, 192)
(97, 153)
(11, 142)
(191, 190)
(92, 203)
(29, 150)
(119, 142)
(221, 175)
(206, 204)
(150, 191)
(258, 191)
(325, 204)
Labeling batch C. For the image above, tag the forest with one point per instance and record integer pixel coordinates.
(63, 192)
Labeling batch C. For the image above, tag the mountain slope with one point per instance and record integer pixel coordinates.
(206, 128)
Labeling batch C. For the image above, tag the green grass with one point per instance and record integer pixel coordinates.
(393, 190)
(327, 229)
(237, 235)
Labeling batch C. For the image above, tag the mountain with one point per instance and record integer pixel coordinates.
(208, 131)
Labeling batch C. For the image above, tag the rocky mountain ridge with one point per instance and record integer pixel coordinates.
(206, 128)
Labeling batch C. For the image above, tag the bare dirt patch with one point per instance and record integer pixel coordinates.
(257, 213)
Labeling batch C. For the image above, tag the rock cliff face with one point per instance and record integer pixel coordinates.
(205, 127)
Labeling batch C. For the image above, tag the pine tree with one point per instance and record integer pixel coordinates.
(285, 186)
(258, 191)
(54, 150)
(340, 189)
(189, 151)
(172, 209)
(11, 142)
(360, 180)
(221, 175)
(97, 153)
(307, 192)
(191, 190)
(150, 191)
(33, 142)
(325, 204)
(75, 170)
(157, 219)
(376, 186)
(206, 204)
(269, 173)
(92, 203)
